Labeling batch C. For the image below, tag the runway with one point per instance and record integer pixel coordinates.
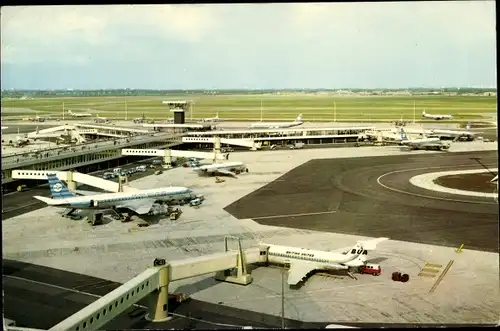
(372, 196)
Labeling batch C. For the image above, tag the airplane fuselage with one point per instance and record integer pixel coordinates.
(437, 117)
(328, 260)
(212, 168)
(274, 125)
(109, 200)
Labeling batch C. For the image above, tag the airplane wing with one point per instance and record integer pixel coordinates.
(225, 172)
(298, 270)
(141, 207)
(83, 192)
(48, 201)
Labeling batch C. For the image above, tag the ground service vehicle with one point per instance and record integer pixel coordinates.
(373, 269)
(399, 277)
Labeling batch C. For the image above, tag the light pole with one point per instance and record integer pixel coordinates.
(283, 298)
(334, 111)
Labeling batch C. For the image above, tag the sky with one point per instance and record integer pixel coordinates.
(250, 46)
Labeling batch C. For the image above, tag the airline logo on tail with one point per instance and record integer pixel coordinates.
(57, 188)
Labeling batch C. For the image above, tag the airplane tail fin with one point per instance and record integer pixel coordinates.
(299, 118)
(57, 188)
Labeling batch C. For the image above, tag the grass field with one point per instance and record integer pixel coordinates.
(248, 107)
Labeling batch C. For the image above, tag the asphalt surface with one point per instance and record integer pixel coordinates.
(347, 196)
(31, 301)
(18, 203)
(40, 297)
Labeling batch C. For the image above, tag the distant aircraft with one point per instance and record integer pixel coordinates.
(227, 168)
(140, 201)
(456, 134)
(422, 143)
(101, 119)
(142, 119)
(4, 127)
(436, 117)
(20, 142)
(263, 125)
(303, 261)
(37, 119)
(79, 114)
(212, 119)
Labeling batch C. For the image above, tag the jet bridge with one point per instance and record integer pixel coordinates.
(70, 178)
(154, 283)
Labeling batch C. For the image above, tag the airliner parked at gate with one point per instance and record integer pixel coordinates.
(303, 261)
(139, 202)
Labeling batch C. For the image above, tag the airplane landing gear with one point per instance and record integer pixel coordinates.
(119, 216)
(71, 214)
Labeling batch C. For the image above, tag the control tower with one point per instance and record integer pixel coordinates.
(179, 109)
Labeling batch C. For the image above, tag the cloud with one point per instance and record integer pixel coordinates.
(48, 30)
(251, 44)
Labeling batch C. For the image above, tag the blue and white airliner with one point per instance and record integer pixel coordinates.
(140, 202)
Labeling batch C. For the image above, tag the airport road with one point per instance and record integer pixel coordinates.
(40, 297)
(18, 203)
(372, 196)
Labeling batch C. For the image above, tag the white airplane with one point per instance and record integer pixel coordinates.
(79, 114)
(4, 127)
(227, 168)
(38, 119)
(99, 119)
(141, 119)
(422, 143)
(211, 119)
(303, 261)
(140, 201)
(263, 125)
(456, 134)
(436, 117)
